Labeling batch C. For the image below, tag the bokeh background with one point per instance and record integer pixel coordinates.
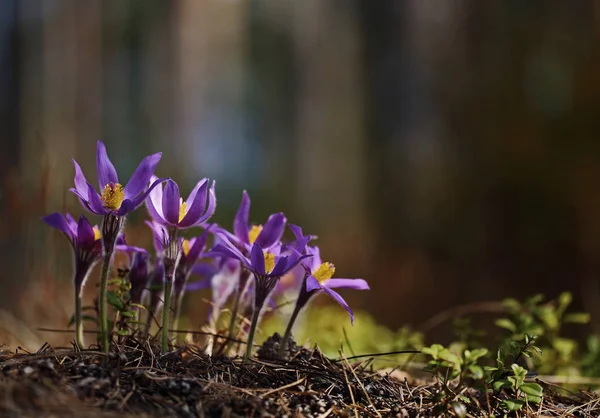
(446, 151)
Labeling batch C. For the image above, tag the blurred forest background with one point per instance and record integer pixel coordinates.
(446, 151)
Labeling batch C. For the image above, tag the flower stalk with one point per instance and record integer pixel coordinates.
(171, 261)
(111, 227)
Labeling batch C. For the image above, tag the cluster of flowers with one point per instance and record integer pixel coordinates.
(246, 263)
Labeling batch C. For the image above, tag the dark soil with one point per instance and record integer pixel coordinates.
(136, 380)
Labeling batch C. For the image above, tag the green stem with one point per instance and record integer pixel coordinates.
(165, 319)
(104, 332)
(78, 320)
(288, 330)
(251, 333)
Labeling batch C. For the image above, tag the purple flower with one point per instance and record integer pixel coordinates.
(191, 249)
(138, 269)
(245, 236)
(166, 206)
(320, 278)
(85, 240)
(114, 198)
(263, 263)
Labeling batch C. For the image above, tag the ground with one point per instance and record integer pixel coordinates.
(135, 380)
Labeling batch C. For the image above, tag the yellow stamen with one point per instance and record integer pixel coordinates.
(254, 233)
(324, 272)
(186, 247)
(112, 196)
(269, 262)
(97, 233)
(182, 210)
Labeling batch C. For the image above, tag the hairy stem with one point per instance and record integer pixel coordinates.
(288, 330)
(251, 333)
(165, 319)
(78, 319)
(104, 331)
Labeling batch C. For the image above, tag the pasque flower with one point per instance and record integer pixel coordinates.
(171, 214)
(319, 278)
(85, 240)
(166, 206)
(191, 250)
(114, 202)
(138, 274)
(243, 237)
(113, 196)
(267, 265)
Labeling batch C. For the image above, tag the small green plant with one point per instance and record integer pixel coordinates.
(126, 313)
(457, 372)
(545, 320)
(512, 379)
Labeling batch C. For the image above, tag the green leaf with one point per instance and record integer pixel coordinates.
(532, 389)
(512, 404)
(564, 300)
(534, 399)
(564, 346)
(114, 300)
(518, 370)
(577, 318)
(477, 353)
(123, 332)
(502, 384)
(476, 371)
(506, 324)
(129, 314)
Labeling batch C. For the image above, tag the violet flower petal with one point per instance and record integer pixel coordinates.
(257, 260)
(85, 233)
(194, 191)
(197, 247)
(80, 182)
(312, 284)
(196, 209)
(272, 230)
(94, 202)
(280, 267)
(126, 207)
(221, 250)
(154, 201)
(339, 299)
(242, 218)
(170, 202)
(106, 170)
(357, 284)
(229, 245)
(203, 269)
(141, 176)
(212, 204)
(58, 221)
(138, 200)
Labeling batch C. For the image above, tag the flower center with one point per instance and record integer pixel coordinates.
(182, 210)
(112, 196)
(324, 272)
(186, 246)
(97, 233)
(254, 233)
(269, 262)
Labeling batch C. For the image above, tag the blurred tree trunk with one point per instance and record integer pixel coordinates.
(331, 183)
